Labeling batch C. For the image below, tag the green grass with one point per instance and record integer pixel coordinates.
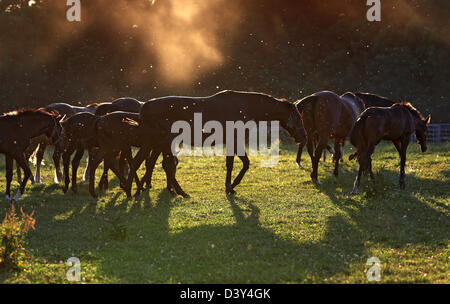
(279, 228)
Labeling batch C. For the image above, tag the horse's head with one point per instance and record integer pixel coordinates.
(421, 132)
(293, 124)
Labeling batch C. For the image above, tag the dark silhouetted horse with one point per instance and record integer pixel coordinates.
(18, 128)
(158, 115)
(114, 135)
(63, 109)
(395, 123)
(78, 133)
(327, 115)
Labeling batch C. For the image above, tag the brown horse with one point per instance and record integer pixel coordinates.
(123, 104)
(395, 123)
(158, 115)
(327, 115)
(63, 109)
(114, 136)
(18, 128)
(78, 133)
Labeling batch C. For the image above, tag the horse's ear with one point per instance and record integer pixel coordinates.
(428, 119)
(61, 118)
(131, 122)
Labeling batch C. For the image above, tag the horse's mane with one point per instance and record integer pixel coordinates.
(411, 109)
(27, 112)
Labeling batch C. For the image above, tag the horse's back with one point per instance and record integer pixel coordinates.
(372, 100)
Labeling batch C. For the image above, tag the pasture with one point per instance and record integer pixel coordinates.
(279, 228)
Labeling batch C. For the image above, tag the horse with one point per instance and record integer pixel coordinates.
(18, 128)
(78, 133)
(114, 136)
(63, 109)
(157, 116)
(327, 115)
(125, 104)
(395, 123)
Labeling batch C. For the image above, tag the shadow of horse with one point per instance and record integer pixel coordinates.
(393, 217)
(243, 252)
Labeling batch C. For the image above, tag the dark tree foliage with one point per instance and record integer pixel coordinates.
(286, 48)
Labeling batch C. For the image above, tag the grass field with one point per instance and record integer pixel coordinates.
(279, 228)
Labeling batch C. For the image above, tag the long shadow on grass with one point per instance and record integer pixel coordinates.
(385, 214)
(243, 252)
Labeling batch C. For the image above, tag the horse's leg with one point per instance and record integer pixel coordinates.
(39, 158)
(66, 161)
(404, 147)
(95, 158)
(299, 154)
(134, 166)
(358, 179)
(149, 167)
(22, 162)
(322, 144)
(75, 164)
(170, 166)
(9, 163)
(86, 171)
(127, 156)
(56, 160)
(103, 184)
(245, 166)
(19, 174)
(336, 156)
(229, 164)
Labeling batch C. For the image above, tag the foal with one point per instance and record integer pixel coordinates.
(78, 134)
(327, 115)
(18, 128)
(63, 109)
(114, 134)
(395, 123)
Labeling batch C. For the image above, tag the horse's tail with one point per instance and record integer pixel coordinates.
(357, 136)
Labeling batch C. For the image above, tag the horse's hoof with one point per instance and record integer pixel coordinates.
(354, 192)
(300, 165)
(316, 181)
(185, 195)
(231, 192)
